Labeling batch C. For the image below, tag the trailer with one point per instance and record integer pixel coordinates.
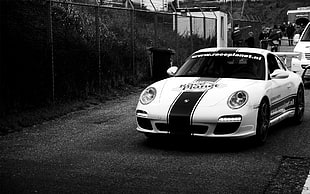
(300, 16)
(205, 22)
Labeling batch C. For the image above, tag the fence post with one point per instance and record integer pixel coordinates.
(51, 44)
(132, 31)
(98, 46)
(155, 29)
(204, 23)
(191, 32)
(204, 27)
(216, 39)
(176, 37)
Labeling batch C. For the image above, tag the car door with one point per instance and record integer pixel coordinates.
(281, 88)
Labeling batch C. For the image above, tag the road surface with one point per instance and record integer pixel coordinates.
(99, 151)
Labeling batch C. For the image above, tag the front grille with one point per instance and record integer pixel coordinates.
(307, 55)
(226, 128)
(144, 123)
(162, 126)
(199, 129)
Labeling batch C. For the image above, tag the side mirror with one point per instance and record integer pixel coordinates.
(296, 38)
(279, 74)
(305, 75)
(172, 70)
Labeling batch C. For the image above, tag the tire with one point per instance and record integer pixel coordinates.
(299, 106)
(262, 125)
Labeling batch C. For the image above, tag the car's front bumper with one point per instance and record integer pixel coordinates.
(231, 124)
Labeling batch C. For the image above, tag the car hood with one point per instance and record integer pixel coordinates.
(217, 89)
(302, 46)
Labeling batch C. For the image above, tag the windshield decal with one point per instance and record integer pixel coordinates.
(197, 86)
(242, 55)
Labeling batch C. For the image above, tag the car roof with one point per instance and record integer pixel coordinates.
(234, 50)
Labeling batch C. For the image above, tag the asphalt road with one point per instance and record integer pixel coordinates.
(99, 151)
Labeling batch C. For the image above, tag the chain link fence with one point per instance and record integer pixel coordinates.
(58, 51)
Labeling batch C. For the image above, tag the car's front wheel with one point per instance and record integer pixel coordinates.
(299, 106)
(263, 120)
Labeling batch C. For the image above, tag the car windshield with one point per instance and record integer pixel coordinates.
(306, 34)
(224, 65)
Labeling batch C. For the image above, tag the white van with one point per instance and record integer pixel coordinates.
(303, 47)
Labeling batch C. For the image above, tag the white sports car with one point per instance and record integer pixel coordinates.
(222, 92)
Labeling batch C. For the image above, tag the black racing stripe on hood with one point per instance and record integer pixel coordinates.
(183, 107)
(180, 113)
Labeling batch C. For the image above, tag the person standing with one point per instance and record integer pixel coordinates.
(274, 38)
(283, 27)
(290, 31)
(250, 40)
(263, 38)
(236, 35)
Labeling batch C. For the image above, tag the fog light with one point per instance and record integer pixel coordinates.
(141, 113)
(229, 119)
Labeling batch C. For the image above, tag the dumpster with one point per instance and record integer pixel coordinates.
(160, 61)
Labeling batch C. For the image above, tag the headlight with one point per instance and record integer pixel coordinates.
(237, 99)
(148, 95)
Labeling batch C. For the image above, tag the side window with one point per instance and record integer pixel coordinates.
(272, 63)
(280, 64)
